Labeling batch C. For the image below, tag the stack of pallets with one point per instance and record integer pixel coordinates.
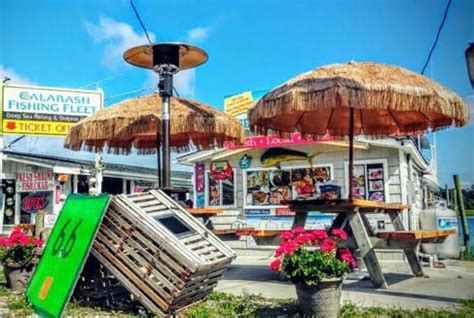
(163, 255)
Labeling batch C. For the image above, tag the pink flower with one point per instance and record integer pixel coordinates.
(285, 236)
(298, 230)
(303, 238)
(319, 235)
(346, 256)
(24, 240)
(328, 245)
(339, 234)
(275, 265)
(289, 247)
(38, 242)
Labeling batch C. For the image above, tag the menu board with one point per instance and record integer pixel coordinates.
(376, 182)
(271, 187)
(368, 182)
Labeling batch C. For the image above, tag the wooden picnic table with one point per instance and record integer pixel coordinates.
(205, 214)
(352, 213)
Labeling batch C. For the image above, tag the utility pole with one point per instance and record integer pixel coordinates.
(462, 213)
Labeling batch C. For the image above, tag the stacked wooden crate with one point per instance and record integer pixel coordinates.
(163, 255)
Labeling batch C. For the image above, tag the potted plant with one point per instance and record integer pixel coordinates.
(18, 257)
(314, 263)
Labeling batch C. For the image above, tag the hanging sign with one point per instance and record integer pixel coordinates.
(245, 161)
(254, 142)
(35, 181)
(46, 111)
(199, 173)
(34, 202)
(221, 170)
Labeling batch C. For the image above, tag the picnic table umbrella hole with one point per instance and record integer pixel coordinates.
(369, 99)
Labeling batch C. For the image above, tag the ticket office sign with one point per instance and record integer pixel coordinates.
(65, 253)
(34, 110)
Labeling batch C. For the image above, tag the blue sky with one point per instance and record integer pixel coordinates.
(251, 45)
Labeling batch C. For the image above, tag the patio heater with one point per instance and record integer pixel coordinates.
(166, 59)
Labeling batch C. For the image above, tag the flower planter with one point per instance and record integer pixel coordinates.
(322, 300)
(17, 277)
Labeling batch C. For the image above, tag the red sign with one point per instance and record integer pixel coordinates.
(35, 181)
(199, 173)
(284, 212)
(221, 170)
(272, 141)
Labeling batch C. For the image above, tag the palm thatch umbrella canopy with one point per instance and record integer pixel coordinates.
(358, 98)
(136, 123)
(387, 100)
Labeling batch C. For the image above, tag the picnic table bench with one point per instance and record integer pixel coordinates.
(205, 214)
(352, 213)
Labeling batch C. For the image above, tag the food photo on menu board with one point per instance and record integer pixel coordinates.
(322, 174)
(280, 186)
(258, 187)
(303, 183)
(358, 182)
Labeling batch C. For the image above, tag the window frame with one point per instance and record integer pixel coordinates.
(366, 162)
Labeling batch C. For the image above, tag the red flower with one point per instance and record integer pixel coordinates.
(285, 236)
(304, 238)
(298, 230)
(275, 265)
(24, 240)
(346, 256)
(339, 234)
(289, 247)
(319, 235)
(328, 245)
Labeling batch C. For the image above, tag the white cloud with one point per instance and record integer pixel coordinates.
(13, 76)
(118, 37)
(199, 34)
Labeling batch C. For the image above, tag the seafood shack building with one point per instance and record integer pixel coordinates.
(251, 182)
(31, 183)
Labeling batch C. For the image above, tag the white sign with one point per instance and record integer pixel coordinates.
(34, 110)
(50, 220)
(35, 181)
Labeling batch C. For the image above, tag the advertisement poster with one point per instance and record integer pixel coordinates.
(45, 111)
(199, 174)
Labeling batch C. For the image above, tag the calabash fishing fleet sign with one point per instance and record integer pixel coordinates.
(45, 111)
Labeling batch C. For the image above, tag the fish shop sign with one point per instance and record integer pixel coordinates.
(35, 181)
(34, 110)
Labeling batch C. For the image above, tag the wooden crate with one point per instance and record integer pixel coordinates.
(163, 255)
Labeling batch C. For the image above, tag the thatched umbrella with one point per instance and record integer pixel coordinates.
(358, 98)
(136, 123)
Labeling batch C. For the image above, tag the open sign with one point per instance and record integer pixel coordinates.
(34, 203)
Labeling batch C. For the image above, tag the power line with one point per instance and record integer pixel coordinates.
(107, 79)
(445, 15)
(131, 92)
(140, 20)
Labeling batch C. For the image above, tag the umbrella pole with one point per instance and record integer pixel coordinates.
(351, 152)
(165, 142)
(158, 157)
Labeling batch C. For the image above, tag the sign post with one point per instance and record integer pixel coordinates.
(45, 111)
(65, 253)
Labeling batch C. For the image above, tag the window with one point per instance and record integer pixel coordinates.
(220, 192)
(369, 182)
(271, 187)
(175, 225)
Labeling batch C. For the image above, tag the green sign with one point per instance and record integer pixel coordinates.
(65, 253)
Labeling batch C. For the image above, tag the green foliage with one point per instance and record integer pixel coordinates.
(311, 266)
(20, 305)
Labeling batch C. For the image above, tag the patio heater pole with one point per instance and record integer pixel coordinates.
(351, 151)
(166, 59)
